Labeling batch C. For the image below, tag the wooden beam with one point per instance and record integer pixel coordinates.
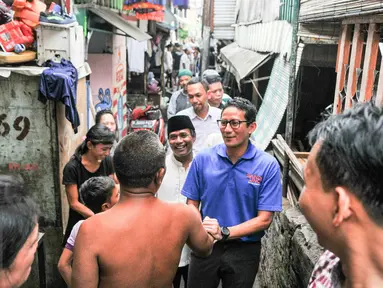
(342, 61)
(377, 18)
(379, 93)
(355, 62)
(370, 57)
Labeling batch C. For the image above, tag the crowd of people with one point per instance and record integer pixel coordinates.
(181, 57)
(145, 218)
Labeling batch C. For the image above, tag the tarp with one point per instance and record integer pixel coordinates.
(241, 61)
(120, 23)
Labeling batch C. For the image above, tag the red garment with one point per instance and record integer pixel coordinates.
(15, 32)
(139, 113)
(29, 12)
(327, 272)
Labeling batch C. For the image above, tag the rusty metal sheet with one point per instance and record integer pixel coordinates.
(241, 61)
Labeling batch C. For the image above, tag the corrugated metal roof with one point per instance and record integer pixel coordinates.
(275, 101)
(273, 37)
(120, 23)
(320, 10)
(224, 18)
(242, 62)
(288, 10)
(262, 10)
(274, 104)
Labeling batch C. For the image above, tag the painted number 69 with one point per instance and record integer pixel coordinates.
(20, 124)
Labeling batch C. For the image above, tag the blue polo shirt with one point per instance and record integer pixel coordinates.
(235, 193)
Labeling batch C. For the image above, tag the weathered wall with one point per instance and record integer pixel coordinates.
(68, 141)
(289, 251)
(28, 146)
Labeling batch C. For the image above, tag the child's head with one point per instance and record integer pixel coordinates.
(99, 193)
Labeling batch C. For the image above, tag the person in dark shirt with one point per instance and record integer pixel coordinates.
(91, 159)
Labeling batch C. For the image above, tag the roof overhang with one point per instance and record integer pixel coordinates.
(241, 61)
(121, 24)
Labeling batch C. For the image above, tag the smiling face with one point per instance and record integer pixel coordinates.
(108, 121)
(215, 94)
(197, 97)
(20, 269)
(181, 142)
(99, 151)
(236, 137)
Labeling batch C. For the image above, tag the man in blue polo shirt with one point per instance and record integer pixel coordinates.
(240, 186)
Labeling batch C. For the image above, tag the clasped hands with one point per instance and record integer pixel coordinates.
(212, 227)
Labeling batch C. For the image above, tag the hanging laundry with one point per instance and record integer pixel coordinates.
(59, 83)
(136, 55)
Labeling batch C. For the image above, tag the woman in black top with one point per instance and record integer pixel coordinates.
(90, 159)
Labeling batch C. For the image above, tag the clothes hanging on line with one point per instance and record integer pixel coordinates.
(136, 55)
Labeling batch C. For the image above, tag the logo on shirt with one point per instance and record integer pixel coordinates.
(254, 179)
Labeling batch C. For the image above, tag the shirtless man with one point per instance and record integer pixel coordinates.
(138, 242)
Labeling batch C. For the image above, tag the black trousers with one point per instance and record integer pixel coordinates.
(181, 272)
(234, 262)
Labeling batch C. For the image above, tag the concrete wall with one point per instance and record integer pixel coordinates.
(38, 150)
(28, 146)
(289, 251)
(68, 141)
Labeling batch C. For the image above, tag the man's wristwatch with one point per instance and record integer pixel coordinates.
(225, 232)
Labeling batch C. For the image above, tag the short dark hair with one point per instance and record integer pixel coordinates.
(96, 191)
(97, 134)
(244, 105)
(351, 155)
(18, 217)
(213, 79)
(197, 80)
(137, 159)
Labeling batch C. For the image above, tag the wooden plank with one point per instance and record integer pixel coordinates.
(290, 153)
(377, 18)
(370, 58)
(356, 60)
(379, 93)
(301, 154)
(342, 61)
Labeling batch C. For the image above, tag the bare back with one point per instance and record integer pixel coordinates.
(138, 242)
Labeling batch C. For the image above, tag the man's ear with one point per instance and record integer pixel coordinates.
(160, 175)
(343, 209)
(105, 206)
(208, 92)
(252, 127)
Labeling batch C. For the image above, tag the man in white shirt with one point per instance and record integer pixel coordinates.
(203, 116)
(168, 64)
(185, 59)
(181, 135)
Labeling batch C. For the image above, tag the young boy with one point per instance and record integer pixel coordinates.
(98, 194)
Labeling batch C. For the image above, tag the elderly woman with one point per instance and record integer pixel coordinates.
(19, 232)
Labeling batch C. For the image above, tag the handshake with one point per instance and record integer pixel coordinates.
(212, 227)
